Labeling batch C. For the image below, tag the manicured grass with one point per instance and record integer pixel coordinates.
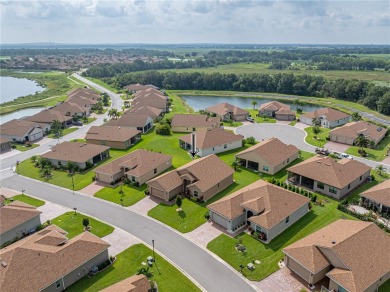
(24, 147)
(270, 254)
(377, 154)
(259, 120)
(64, 132)
(385, 287)
(90, 120)
(355, 194)
(320, 141)
(178, 105)
(128, 262)
(232, 124)
(130, 196)
(103, 84)
(26, 199)
(72, 223)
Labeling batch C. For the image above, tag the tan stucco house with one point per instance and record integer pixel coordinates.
(113, 137)
(227, 111)
(266, 208)
(276, 110)
(188, 123)
(22, 131)
(352, 255)
(268, 156)
(378, 197)
(328, 117)
(134, 121)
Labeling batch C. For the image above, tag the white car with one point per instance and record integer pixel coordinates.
(345, 155)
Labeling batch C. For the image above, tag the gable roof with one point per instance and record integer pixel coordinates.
(274, 106)
(85, 92)
(379, 193)
(48, 116)
(150, 99)
(37, 261)
(18, 127)
(139, 161)
(272, 150)
(194, 120)
(330, 114)
(147, 110)
(129, 119)
(269, 203)
(354, 129)
(15, 214)
(74, 151)
(224, 108)
(136, 283)
(107, 133)
(83, 101)
(150, 92)
(346, 239)
(69, 108)
(206, 138)
(336, 173)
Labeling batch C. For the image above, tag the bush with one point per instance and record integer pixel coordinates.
(88, 165)
(85, 222)
(250, 140)
(136, 184)
(178, 201)
(163, 129)
(93, 178)
(314, 198)
(207, 215)
(316, 130)
(33, 158)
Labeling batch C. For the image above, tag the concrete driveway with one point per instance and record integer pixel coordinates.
(338, 147)
(285, 133)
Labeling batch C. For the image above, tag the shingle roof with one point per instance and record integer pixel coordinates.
(15, 214)
(361, 246)
(151, 93)
(139, 161)
(150, 99)
(206, 138)
(274, 106)
(18, 127)
(129, 119)
(329, 113)
(224, 108)
(107, 133)
(270, 202)
(194, 120)
(147, 110)
(138, 86)
(69, 107)
(37, 261)
(48, 116)
(83, 101)
(272, 150)
(136, 283)
(74, 151)
(336, 173)
(379, 193)
(354, 129)
(86, 92)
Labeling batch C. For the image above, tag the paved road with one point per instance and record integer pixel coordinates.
(207, 270)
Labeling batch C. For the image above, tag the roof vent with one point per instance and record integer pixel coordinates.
(327, 164)
(4, 264)
(333, 241)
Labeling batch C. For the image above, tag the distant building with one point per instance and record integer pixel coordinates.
(192, 122)
(137, 87)
(227, 111)
(113, 137)
(329, 117)
(277, 110)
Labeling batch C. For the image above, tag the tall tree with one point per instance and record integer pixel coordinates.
(356, 117)
(362, 142)
(56, 129)
(113, 113)
(254, 103)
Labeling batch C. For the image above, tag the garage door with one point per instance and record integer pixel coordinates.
(157, 193)
(220, 220)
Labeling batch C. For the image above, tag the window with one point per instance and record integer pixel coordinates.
(196, 195)
(361, 177)
(225, 146)
(59, 163)
(218, 185)
(213, 148)
(288, 160)
(58, 284)
(133, 178)
(320, 185)
(265, 168)
(287, 219)
(194, 129)
(258, 229)
(155, 171)
(332, 190)
(349, 186)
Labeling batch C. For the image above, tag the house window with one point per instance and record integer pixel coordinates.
(59, 163)
(58, 284)
(133, 178)
(349, 186)
(155, 171)
(213, 148)
(258, 229)
(218, 185)
(287, 219)
(196, 195)
(225, 146)
(194, 129)
(265, 168)
(320, 185)
(288, 160)
(332, 190)
(361, 177)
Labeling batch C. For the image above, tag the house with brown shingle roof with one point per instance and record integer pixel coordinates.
(328, 117)
(353, 255)
(378, 197)
(227, 111)
(202, 179)
(151, 99)
(277, 110)
(152, 91)
(48, 261)
(17, 220)
(5, 144)
(22, 131)
(47, 116)
(326, 175)
(113, 137)
(85, 92)
(150, 111)
(211, 141)
(138, 166)
(76, 152)
(268, 156)
(136, 283)
(266, 208)
(348, 133)
(69, 108)
(137, 87)
(135, 121)
(187, 123)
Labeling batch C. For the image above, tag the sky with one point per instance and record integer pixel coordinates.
(198, 21)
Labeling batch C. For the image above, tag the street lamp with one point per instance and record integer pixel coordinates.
(154, 258)
(241, 267)
(75, 210)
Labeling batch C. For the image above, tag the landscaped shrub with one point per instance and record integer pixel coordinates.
(207, 215)
(163, 129)
(314, 198)
(250, 140)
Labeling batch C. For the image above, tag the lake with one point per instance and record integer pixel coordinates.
(20, 114)
(201, 102)
(12, 88)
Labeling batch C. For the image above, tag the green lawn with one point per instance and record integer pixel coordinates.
(377, 154)
(259, 120)
(103, 84)
(64, 132)
(355, 194)
(320, 141)
(24, 147)
(167, 277)
(130, 196)
(72, 223)
(178, 105)
(90, 120)
(26, 199)
(385, 287)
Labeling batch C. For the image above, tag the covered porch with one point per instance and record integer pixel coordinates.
(298, 179)
(248, 164)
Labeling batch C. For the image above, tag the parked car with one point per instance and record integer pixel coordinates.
(78, 123)
(345, 155)
(249, 119)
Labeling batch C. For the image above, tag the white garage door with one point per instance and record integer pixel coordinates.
(220, 220)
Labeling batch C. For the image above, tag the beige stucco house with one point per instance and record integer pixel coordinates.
(187, 123)
(113, 137)
(227, 111)
(328, 117)
(277, 110)
(378, 197)
(134, 121)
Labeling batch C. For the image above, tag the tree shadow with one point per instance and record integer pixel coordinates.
(182, 214)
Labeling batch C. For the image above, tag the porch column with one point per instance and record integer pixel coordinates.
(300, 179)
(246, 163)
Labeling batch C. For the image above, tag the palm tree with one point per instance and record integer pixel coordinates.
(362, 142)
(380, 168)
(316, 122)
(235, 164)
(113, 113)
(254, 103)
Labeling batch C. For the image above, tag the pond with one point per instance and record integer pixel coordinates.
(12, 88)
(20, 114)
(201, 102)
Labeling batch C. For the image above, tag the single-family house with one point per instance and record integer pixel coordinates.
(69, 108)
(136, 283)
(47, 116)
(348, 133)
(202, 179)
(113, 137)
(84, 102)
(227, 111)
(22, 131)
(211, 141)
(137, 87)
(326, 175)
(188, 123)
(328, 117)
(79, 153)
(153, 100)
(5, 144)
(268, 156)
(17, 219)
(152, 91)
(150, 111)
(138, 166)
(85, 92)
(350, 255)
(378, 197)
(48, 261)
(135, 121)
(277, 110)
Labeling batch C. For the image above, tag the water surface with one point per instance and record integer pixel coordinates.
(12, 88)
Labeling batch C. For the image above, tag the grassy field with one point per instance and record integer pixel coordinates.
(320, 139)
(377, 154)
(50, 101)
(178, 105)
(26, 199)
(167, 277)
(64, 132)
(23, 147)
(72, 223)
(101, 83)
